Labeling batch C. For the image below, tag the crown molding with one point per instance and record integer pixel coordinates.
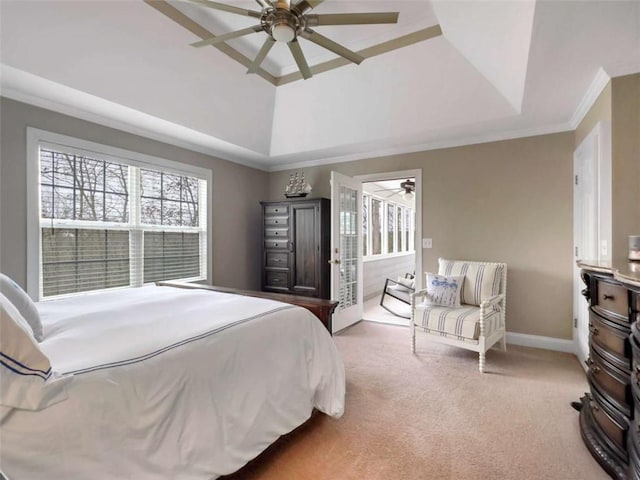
(37, 91)
(434, 145)
(598, 84)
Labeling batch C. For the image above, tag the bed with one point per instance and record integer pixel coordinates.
(161, 382)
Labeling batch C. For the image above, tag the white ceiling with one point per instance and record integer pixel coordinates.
(500, 70)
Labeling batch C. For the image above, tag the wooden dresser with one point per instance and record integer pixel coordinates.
(610, 411)
(296, 247)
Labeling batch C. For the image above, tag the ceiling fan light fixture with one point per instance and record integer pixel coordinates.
(283, 33)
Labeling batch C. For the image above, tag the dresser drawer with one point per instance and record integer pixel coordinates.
(276, 233)
(612, 339)
(276, 280)
(634, 454)
(612, 299)
(276, 260)
(614, 384)
(612, 423)
(276, 210)
(276, 221)
(276, 244)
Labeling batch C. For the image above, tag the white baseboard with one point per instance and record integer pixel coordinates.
(538, 341)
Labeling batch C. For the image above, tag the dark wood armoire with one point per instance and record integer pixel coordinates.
(296, 247)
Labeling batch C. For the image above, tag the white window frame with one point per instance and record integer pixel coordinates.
(37, 138)
(399, 237)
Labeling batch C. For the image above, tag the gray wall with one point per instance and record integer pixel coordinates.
(508, 201)
(375, 272)
(237, 191)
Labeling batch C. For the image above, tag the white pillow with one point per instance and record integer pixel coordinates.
(19, 298)
(444, 291)
(26, 378)
(406, 282)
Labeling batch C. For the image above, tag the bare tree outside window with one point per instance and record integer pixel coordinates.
(79, 193)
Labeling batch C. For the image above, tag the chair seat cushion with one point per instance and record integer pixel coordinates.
(458, 323)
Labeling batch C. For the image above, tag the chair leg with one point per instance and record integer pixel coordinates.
(413, 339)
(503, 342)
(482, 361)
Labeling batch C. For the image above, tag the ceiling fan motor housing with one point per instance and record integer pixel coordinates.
(281, 24)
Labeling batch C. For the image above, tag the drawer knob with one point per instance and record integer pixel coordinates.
(276, 221)
(607, 297)
(594, 370)
(593, 330)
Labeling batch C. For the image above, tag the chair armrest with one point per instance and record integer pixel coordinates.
(417, 294)
(495, 300)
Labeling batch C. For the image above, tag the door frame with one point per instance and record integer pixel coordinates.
(417, 174)
(598, 145)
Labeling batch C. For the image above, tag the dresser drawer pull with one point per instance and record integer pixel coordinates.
(593, 330)
(275, 221)
(607, 297)
(594, 370)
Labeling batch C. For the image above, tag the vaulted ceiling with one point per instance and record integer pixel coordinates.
(499, 70)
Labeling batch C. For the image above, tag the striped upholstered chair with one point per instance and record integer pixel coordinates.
(479, 322)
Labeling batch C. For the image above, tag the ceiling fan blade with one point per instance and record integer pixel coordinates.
(329, 44)
(352, 18)
(264, 4)
(266, 46)
(296, 51)
(227, 8)
(306, 5)
(227, 36)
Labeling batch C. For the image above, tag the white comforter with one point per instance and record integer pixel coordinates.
(171, 384)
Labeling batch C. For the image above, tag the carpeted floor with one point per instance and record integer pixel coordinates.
(434, 416)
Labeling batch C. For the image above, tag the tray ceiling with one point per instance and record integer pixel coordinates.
(499, 70)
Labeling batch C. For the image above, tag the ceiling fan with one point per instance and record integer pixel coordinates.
(407, 188)
(285, 22)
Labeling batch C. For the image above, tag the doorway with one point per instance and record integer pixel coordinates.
(392, 228)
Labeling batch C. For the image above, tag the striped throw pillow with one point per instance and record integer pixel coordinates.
(26, 377)
(481, 281)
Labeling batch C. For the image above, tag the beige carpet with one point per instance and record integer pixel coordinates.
(434, 416)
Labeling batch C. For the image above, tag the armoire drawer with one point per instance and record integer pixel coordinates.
(276, 259)
(276, 210)
(276, 244)
(613, 340)
(276, 221)
(276, 233)
(275, 279)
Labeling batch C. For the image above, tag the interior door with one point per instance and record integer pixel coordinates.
(346, 253)
(585, 233)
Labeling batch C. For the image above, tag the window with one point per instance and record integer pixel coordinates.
(111, 218)
(376, 226)
(365, 225)
(387, 227)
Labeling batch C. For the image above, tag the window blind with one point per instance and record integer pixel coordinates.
(106, 223)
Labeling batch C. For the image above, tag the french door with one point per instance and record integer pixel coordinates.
(346, 253)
